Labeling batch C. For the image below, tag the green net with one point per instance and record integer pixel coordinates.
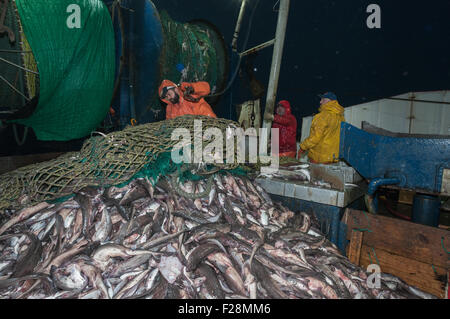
(111, 160)
(190, 45)
(76, 65)
(198, 48)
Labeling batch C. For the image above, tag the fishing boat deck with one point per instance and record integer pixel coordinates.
(312, 193)
(335, 185)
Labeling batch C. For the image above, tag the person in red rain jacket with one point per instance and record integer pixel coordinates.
(287, 125)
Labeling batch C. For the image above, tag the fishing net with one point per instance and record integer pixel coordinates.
(113, 159)
(29, 62)
(76, 66)
(195, 52)
(192, 52)
(160, 48)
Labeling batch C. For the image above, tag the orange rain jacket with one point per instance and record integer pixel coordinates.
(184, 107)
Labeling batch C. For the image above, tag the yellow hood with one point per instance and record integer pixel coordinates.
(332, 107)
(323, 141)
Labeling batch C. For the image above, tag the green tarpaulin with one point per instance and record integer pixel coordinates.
(73, 44)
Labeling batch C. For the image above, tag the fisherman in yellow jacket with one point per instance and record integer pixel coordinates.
(322, 144)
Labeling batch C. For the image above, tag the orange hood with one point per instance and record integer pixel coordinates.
(164, 84)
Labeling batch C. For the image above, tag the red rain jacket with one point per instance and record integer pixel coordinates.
(287, 124)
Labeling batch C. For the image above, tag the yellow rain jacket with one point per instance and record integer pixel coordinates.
(323, 140)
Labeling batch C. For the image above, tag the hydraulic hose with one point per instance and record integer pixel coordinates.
(373, 186)
(240, 57)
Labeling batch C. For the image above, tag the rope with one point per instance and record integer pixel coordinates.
(14, 88)
(434, 269)
(273, 8)
(375, 254)
(369, 231)
(370, 258)
(18, 66)
(443, 247)
(95, 159)
(32, 81)
(361, 229)
(16, 135)
(15, 51)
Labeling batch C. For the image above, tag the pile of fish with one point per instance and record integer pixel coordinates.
(145, 241)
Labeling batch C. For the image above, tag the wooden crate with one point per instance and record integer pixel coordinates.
(413, 252)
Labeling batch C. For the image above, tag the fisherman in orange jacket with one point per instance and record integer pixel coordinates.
(185, 99)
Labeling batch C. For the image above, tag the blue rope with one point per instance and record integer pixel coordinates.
(370, 258)
(378, 263)
(443, 247)
(434, 269)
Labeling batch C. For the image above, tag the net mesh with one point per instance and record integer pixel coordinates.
(29, 62)
(109, 160)
(76, 71)
(192, 46)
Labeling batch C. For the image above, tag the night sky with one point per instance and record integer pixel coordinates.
(328, 47)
